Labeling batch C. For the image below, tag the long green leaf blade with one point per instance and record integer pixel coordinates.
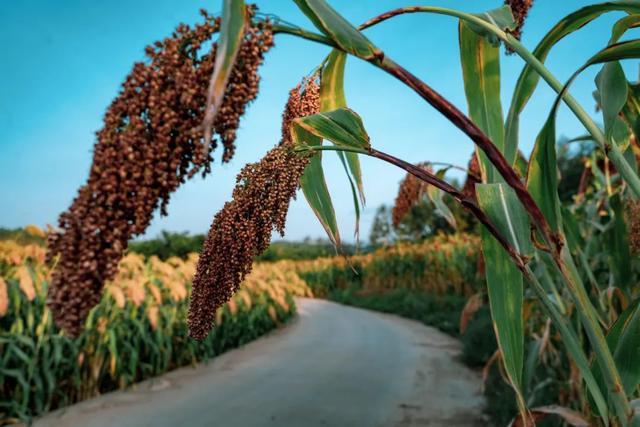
(542, 175)
(314, 187)
(481, 71)
(232, 31)
(331, 23)
(332, 96)
(504, 280)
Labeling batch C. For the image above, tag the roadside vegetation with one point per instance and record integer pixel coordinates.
(137, 331)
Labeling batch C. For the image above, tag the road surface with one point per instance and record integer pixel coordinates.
(332, 366)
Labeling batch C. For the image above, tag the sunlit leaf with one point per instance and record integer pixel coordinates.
(331, 23)
(342, 126)
(332, 96)
(314, 187)
(232, 31)
(481, 71)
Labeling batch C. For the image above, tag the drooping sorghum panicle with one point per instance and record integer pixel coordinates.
(473, 177)
(633, 222)
(150, 143)
(410, 192)
(520, 9)
(243, 228)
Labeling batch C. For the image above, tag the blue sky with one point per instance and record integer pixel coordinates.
(63, 61)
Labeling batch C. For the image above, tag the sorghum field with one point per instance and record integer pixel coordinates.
(499, 283)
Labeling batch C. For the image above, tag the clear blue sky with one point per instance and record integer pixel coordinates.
(63, 61)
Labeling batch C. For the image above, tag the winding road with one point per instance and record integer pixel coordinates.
(332, 366)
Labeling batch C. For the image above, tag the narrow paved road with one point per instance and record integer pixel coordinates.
(333, 366)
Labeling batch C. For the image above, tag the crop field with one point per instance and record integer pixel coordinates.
(137, 331)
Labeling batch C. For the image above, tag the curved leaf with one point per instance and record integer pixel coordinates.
(331, 97)
(331, 23)
(314, 186)
(343, 127)
(621, 27)
(529, 78)
(623, 50)
(612, 90)
(231, 33)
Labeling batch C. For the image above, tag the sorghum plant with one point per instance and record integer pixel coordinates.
(535, 244)
(150, 143)
(527, 232)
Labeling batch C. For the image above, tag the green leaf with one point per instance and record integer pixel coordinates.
(542, 175)
(504, 280)
(624, 50)
(314, 187)
(342, 126)
(529, 78)
(332, 82)
(617, 244)
(612, 89)
(631, 158)
(481, 71)
(624, 341)
(331, 23)
(622, 25)
(231, 33)
(503, 207)
(332, 97)
(501, 17)
(436, 196)
(626, 353)
(631, 109)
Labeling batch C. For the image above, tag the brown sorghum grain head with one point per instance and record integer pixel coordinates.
(150, 143)
(520, 9)
(243, 228)
(473, 175)
(410, 192)
(632, 212)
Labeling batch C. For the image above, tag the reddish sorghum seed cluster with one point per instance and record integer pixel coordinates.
(633, 222)
(150, 143)
(473, 177)
(243, 228)
(520, 9)
(410, 192)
